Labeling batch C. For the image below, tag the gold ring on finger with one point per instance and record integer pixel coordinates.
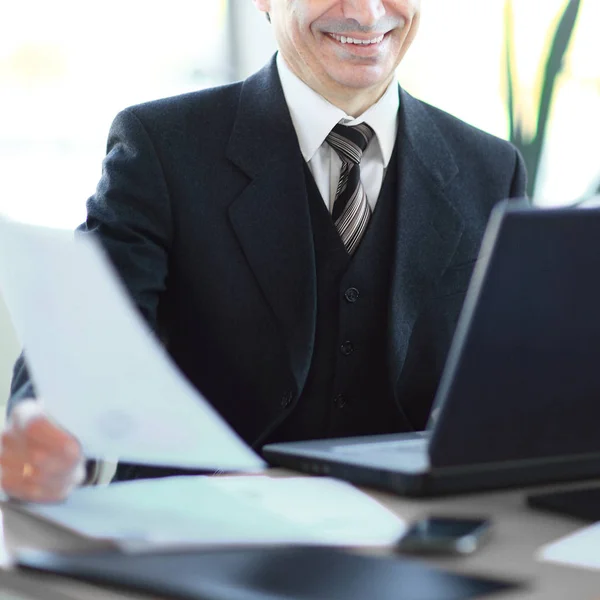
(27, 470)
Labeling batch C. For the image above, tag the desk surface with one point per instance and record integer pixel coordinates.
(518, 534)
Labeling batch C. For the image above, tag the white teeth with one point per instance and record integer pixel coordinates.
(348, 40)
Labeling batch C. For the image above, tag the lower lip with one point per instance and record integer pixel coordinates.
(360, 49)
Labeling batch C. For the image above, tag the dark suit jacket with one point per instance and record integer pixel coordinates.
(202, 206)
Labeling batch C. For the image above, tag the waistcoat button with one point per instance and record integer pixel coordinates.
(351, 295)
(347, 348)
(340, 401)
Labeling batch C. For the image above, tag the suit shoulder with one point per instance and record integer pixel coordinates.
(468, 137)
(209, 106)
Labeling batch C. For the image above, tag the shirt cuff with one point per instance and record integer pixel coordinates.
(98, 472)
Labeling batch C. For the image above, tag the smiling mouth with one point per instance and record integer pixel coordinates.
(342, 39)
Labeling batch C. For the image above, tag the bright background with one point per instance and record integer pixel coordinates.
(67, 67)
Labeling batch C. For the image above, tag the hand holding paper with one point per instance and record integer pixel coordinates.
(39, 461)
(103, 374)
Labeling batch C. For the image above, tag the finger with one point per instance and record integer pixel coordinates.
(41, 463)
(11, 441)
(30, 490)
(20, 449)
(30, 418)
(47, 469)
(41, 433)
(23, 416)
(13, 449)
(36, 485)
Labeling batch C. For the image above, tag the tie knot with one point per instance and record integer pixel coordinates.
(350, 142)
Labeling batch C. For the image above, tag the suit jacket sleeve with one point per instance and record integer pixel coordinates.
(130, 213)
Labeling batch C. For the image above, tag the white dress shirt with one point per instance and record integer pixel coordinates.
(314, 117)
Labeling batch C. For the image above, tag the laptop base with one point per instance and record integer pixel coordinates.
(435, 481)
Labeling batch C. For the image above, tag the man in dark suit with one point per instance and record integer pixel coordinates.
(306, 277)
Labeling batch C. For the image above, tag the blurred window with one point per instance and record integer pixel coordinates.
(67, 67)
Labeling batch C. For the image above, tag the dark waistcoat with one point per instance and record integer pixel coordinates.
(348, 389)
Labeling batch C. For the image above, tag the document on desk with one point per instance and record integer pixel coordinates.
(100, 370)
(580, 549)
(194, 511)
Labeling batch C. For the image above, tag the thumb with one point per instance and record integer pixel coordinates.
(25, 412)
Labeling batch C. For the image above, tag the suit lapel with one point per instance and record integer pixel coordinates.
(271, 217)
(428, 228)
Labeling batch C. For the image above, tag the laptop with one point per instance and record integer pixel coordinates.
(519, 398)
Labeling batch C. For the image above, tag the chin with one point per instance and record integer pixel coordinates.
(359, 78)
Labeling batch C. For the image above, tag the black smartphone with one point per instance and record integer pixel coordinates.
(445, 535)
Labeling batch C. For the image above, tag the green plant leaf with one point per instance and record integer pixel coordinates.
(509, 43)
(553, 67)
(531, 149)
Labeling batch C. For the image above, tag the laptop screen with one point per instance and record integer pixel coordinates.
(522, 378)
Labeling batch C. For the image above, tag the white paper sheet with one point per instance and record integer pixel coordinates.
(580, 549)
(179, 511)
(100, 370)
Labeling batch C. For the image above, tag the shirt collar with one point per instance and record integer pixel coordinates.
(314, 117)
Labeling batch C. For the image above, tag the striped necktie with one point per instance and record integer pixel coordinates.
(351, 211)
